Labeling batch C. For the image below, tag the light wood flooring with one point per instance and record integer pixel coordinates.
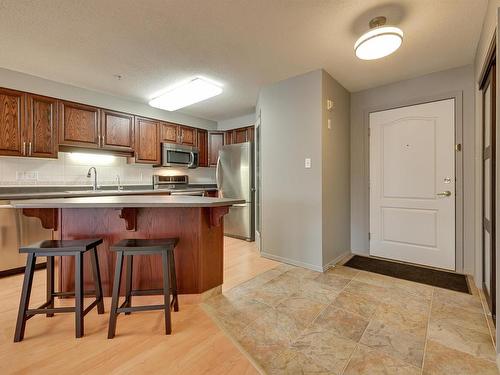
(197, 345)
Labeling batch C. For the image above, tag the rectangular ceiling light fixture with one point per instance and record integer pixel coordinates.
(194, 91)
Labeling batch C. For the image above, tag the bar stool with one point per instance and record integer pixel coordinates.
(51, 249)
(129, 248)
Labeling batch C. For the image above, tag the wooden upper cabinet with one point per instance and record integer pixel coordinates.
(228, 139)
(240, 135)
(169, 133)
(187, 136)
(117, 131)
(215, 143)
(41, 127)
(251, 133)
(78, 125)
(202, 142)
(147, 141)
(12, 117)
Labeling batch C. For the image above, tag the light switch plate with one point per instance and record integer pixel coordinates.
(307, 163)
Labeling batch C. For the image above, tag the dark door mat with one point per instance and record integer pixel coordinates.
(441, 279)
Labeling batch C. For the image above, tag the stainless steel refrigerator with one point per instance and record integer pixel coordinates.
(235, 179)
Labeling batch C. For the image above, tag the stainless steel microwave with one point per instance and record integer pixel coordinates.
(174, 155)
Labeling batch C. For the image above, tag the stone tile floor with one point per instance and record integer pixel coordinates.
(295, 321)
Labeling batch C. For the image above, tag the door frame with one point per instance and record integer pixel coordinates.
(457, 96)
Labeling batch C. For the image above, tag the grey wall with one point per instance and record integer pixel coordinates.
(445, 83)
(236, 122)
(291, 118)
(26, 82)
(335, 171)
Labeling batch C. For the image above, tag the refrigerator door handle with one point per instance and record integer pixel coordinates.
(218, 174)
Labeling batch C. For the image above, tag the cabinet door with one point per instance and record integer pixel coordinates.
(228, 139)
(240, 135)
(78, 125)
(117, 131)
(251, 133)
(203, 147)
(215, 143)
(169, 133)
(41, 127)
(12, 119)
(147, 141)
(188, 136)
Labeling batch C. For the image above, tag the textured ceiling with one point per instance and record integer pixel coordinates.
(242, 44)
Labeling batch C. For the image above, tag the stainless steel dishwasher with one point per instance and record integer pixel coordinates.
(17, 230)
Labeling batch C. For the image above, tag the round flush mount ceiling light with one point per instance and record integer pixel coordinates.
(379, 42)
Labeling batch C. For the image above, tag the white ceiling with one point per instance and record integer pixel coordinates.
(242, 44)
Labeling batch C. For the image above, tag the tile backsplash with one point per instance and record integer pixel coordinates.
(71, 169)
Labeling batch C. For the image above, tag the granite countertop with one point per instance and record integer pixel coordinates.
(137, 201)
(68, 192)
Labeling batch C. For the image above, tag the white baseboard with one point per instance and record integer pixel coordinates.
(336, 260)
(292, 262)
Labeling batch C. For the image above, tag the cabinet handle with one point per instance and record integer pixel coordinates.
(30, 149)
(24, 148)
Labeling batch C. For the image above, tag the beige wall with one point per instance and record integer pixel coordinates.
(436, 85)
(29, 83)
(305, 212)
(335, 172)
(291, 117)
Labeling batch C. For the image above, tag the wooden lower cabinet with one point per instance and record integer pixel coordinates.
(41, 127)
(117, 131)
(147, 141)
(215, 143)
(202, 142)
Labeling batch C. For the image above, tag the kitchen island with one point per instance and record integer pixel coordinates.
(196, 221)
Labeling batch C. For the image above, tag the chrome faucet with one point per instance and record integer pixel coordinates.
(120, 187)
(89, 174)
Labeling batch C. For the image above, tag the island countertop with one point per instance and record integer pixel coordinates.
(139, 201)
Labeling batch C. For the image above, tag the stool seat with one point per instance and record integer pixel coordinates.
(64, 245)
(138, 244)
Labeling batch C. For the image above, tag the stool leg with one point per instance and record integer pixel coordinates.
(25, 298)
(50, 283)
(128, 286)
(116, 295)
(97, 280)
(173, 278)
(79, 295)
(166, 291)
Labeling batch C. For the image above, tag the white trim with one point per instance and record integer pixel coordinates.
(292, 262)
(309, 266)
(336, 260)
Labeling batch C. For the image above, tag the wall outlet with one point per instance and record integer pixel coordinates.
(307, 163)
(27, 176)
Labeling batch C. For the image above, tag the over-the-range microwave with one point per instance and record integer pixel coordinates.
(174, 155)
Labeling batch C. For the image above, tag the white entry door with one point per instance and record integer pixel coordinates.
(412, 184)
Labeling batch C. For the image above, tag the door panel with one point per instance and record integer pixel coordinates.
(238, 222)
(12, 112)
(235, 172)
(117, 131)
(412, 161)
(78, 125)
(42, 126)
(147, 145)
(169, 133)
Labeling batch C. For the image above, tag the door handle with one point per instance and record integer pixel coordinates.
(446, 193)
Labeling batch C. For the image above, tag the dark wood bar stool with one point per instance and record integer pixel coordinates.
(51, 249)
(129, 248)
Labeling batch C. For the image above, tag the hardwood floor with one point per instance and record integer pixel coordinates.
(197, 345)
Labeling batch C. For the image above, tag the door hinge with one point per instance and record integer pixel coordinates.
(458, 147)
(369, 236)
